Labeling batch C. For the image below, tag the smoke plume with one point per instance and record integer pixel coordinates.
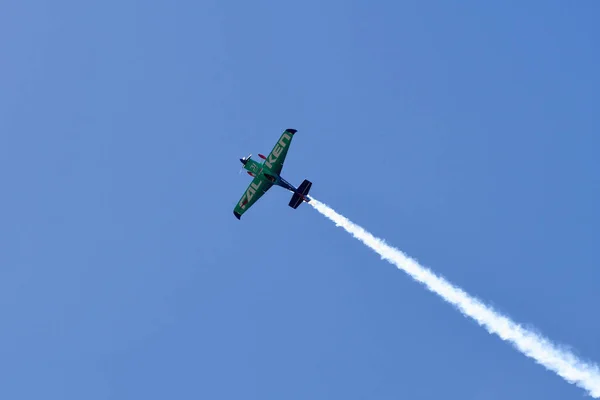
(561, 361)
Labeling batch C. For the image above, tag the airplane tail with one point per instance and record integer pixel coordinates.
(301, 194)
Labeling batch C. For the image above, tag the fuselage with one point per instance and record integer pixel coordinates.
(255, 168)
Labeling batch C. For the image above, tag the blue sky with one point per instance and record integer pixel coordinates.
(466, 135)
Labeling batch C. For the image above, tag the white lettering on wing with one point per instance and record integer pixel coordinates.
(254, 186)
(274, 156)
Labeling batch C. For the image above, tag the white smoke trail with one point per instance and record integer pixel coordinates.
(544, 352)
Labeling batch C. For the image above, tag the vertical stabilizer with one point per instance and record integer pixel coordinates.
(301, 194)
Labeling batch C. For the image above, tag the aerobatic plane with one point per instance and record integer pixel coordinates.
(267, 173)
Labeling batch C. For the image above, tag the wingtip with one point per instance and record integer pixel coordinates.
(237, 214)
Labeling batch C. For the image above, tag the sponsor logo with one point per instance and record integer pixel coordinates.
(274, 156)
(249, 194)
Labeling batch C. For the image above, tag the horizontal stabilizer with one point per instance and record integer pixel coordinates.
(301, 194)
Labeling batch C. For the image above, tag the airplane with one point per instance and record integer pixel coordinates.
(268, 173)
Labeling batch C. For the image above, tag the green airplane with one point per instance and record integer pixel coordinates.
(267, 173)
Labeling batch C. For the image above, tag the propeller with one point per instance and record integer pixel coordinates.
(245, 159)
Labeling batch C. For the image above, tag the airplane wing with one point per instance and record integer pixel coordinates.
(277, 156)
(255, 190)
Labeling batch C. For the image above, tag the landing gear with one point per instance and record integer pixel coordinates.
(271, 178)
